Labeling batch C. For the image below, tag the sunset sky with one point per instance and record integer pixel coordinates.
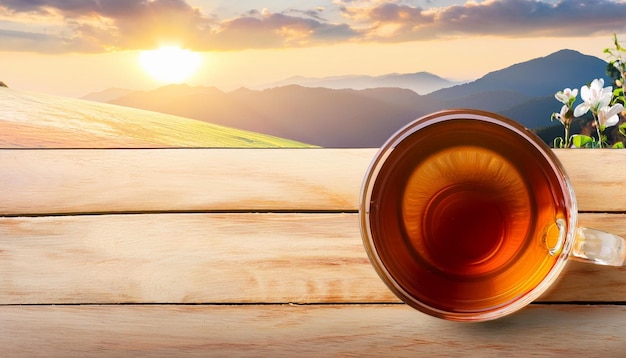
(74, 47)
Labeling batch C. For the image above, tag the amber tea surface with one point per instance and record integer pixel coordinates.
(462, 216)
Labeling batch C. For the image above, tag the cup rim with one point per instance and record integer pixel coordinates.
(403, 134)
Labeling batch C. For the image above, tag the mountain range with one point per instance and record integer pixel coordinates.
(419, 82)
(366, 117)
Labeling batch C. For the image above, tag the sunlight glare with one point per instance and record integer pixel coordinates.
(170, 64)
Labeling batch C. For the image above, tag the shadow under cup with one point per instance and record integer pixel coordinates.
(466, 215)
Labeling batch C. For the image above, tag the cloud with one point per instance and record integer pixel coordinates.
(140, 24)
(316, 13)
(388, 21)
(111, 24)
(104, 25)
(277, 30)
(21, 41)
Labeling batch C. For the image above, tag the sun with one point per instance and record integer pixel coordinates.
(170, 64)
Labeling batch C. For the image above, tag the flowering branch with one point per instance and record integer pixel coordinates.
(597, 98)
(604, 103)
(567, 97)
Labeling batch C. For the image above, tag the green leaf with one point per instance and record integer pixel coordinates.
(582, 141)
(618, 145)
(618, 96)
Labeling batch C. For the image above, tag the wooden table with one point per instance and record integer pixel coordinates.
(253, 252)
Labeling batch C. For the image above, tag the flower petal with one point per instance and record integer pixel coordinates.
(607, 116)
(597, 83)
(562, 116)
(581, 109)
(604, 100)
(561, 97)
(611, 121)
(617, 108)
(585, 93)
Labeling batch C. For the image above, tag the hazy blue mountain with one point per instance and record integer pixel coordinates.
(539, 77)
(367, 117)
(534, 112)
(419, 82)
(525, 91)
(490, 100)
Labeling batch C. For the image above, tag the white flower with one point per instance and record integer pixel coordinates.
(607, 116)
(567, 95)
(565, 116)
(594, 97)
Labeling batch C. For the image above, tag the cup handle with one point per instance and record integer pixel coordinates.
(599, 247)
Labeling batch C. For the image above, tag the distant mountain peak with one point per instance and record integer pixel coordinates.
(418, 82)
(107, 94)
(566, 52)
(541, 76)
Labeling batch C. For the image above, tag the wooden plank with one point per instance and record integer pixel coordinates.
(62, 181)
(188, 258)
(90, 181)
(305, 331)
(222, 258)
(597, 176)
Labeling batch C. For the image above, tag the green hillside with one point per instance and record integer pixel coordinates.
(43, 121)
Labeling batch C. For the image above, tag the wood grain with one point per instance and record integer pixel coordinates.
(186, 258)
(222, 258)
(305, 331)
(92, 181)
(70, 181)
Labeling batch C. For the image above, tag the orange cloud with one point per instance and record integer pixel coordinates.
(96, 26)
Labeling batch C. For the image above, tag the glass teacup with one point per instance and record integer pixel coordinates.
(467, 215)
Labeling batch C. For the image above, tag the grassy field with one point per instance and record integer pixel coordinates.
(35, 120)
